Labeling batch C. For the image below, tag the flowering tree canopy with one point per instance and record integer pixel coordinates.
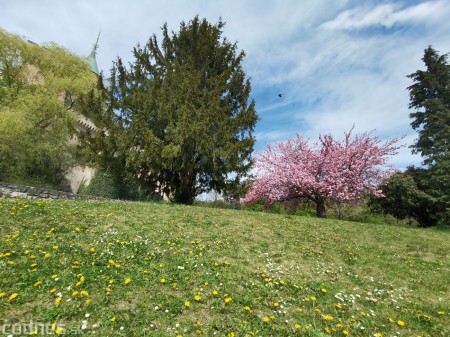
(330, 169)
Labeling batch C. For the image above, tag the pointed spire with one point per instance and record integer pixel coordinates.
(91, 58)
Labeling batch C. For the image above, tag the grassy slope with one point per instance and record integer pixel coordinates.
(200, 271)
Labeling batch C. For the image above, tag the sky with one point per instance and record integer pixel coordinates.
(337, 63)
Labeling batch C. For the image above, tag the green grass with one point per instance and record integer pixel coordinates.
(155, 269)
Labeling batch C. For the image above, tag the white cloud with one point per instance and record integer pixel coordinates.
(387, 15)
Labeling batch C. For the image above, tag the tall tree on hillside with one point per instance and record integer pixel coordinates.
(328, 170)
(430, 97)
(178, 118)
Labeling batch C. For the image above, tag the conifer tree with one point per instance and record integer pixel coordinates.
(178, 117)
(430, 97)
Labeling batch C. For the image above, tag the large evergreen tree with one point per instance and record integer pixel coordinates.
(178, 117)
(430, 97)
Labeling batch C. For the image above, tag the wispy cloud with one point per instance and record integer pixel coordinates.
(387, 15)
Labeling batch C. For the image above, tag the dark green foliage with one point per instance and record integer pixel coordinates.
(177, 118)
(430, 96)
(404, 198)
(103, 185)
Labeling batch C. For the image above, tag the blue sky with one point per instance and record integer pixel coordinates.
(336, 62)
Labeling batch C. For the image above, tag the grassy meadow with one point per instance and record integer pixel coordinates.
(156, 269)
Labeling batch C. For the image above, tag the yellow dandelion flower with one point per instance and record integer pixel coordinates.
(47, 255)
(297, 326)
(266, 319)
(187, 304)
(92, 249)
(215, 292)
(83, 293)
(89, 300)
(276, 304)
(247, 308)
(441, 313)
(59, 330)
(54, 276)
(228, 300)
(324, 290)
(75, 293)
(313, 298)
(38, 283)
(345, 332)
(58, 299)
(113, 319)
(52, 290)
(197, 298)
(378, 334)
(12, 296)
(127, 280)
(401, 323)
(163, 280)
(391, 320)
(327, 317)
(2, 294)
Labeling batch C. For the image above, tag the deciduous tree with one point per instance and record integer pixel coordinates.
(39, 87)
(341, 170)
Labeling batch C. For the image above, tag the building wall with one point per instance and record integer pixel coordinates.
(78, 175)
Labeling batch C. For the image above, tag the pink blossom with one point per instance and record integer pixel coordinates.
(340, 170)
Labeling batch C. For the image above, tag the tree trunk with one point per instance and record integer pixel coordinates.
(185, 191)
(320, 208)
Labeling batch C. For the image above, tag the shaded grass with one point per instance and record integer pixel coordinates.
(243, 273)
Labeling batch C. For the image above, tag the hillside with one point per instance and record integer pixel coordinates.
(143, 269)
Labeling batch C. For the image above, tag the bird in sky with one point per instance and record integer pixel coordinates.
(280, 95)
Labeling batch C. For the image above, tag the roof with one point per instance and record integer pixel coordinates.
(92, 61)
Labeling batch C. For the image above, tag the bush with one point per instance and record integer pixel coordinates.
(103, 185)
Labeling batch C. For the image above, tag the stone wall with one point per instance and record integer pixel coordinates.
(17, 191)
